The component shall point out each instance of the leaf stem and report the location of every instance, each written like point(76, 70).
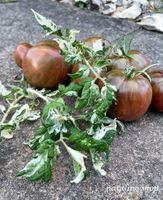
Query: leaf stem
point(10, 108)
point(62, 140)
point(38, 94)
point(96, 74)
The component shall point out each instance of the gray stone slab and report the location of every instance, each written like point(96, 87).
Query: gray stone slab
point(136, 157)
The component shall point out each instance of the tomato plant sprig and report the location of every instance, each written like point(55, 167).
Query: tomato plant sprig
point(60, 122)
point(16, 110)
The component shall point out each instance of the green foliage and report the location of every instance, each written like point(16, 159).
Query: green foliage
point(41, 164)
point(83, 141)
point(72, 89)
point(59, 122)
point(20, 112)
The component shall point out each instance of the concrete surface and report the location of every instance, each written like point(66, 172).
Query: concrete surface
point(136, 157)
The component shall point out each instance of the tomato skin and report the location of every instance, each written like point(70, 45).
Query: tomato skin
point(133, 96)
point(140, 62)
point(157, 88)
point(20, 52)
point(44, 67)
point(50, 43)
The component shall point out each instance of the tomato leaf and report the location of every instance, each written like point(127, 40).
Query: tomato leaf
point(106, 101)
point(41, 164)
point(71, 54)
point(84, 142)
point(101, 63)
point(97, 163)
point(40, 135)
point(102, 131)
point(97, 45)
point(6, 131)
point(2, 108)
point(71, 90)
point(71, 35)
point(54, 115)
point(78, 163)
point(83, 100)
point(24, 113)
point(94, 92)
point(3, 90)
point(47, 24)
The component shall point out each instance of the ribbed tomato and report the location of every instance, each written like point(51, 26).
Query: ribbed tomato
point(44, 67)
point(20, 52)
point(134, 94)
point(135, 58)
point(50, 43)
point(157, 88)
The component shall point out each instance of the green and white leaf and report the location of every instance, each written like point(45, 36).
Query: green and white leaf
point(3, 90)
point(71, 35)
point(79, 166)
point(97, 163)
point(71, 90)
point(49, 26)
point(41, 164)
point(6, 131)
point(24, 113)
point(97, 45)
point(85, 96)
point(2, 108)
point(101, 131)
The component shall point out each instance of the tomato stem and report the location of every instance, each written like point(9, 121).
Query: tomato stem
point(130, 72)
point(11, 107)
point(96, 74)
point(38, 94)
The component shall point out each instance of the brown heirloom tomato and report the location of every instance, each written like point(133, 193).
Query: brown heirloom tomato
point(133, 96)
point(157, 88)
point(44, 67)
point(20, 52)
point(138, 60)
point(50, 43)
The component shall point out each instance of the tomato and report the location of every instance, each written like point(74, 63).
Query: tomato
point(44, 67)
point(50, 43)
point(133, 96)
point(157, 88)
point(138, 60)
point(20, 52)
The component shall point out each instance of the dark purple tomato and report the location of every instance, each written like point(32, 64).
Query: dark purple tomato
point(20, 52)
point(45, 67)
point(157, 88)
point(133, 96)
point(138, 60)
point(50, 43)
